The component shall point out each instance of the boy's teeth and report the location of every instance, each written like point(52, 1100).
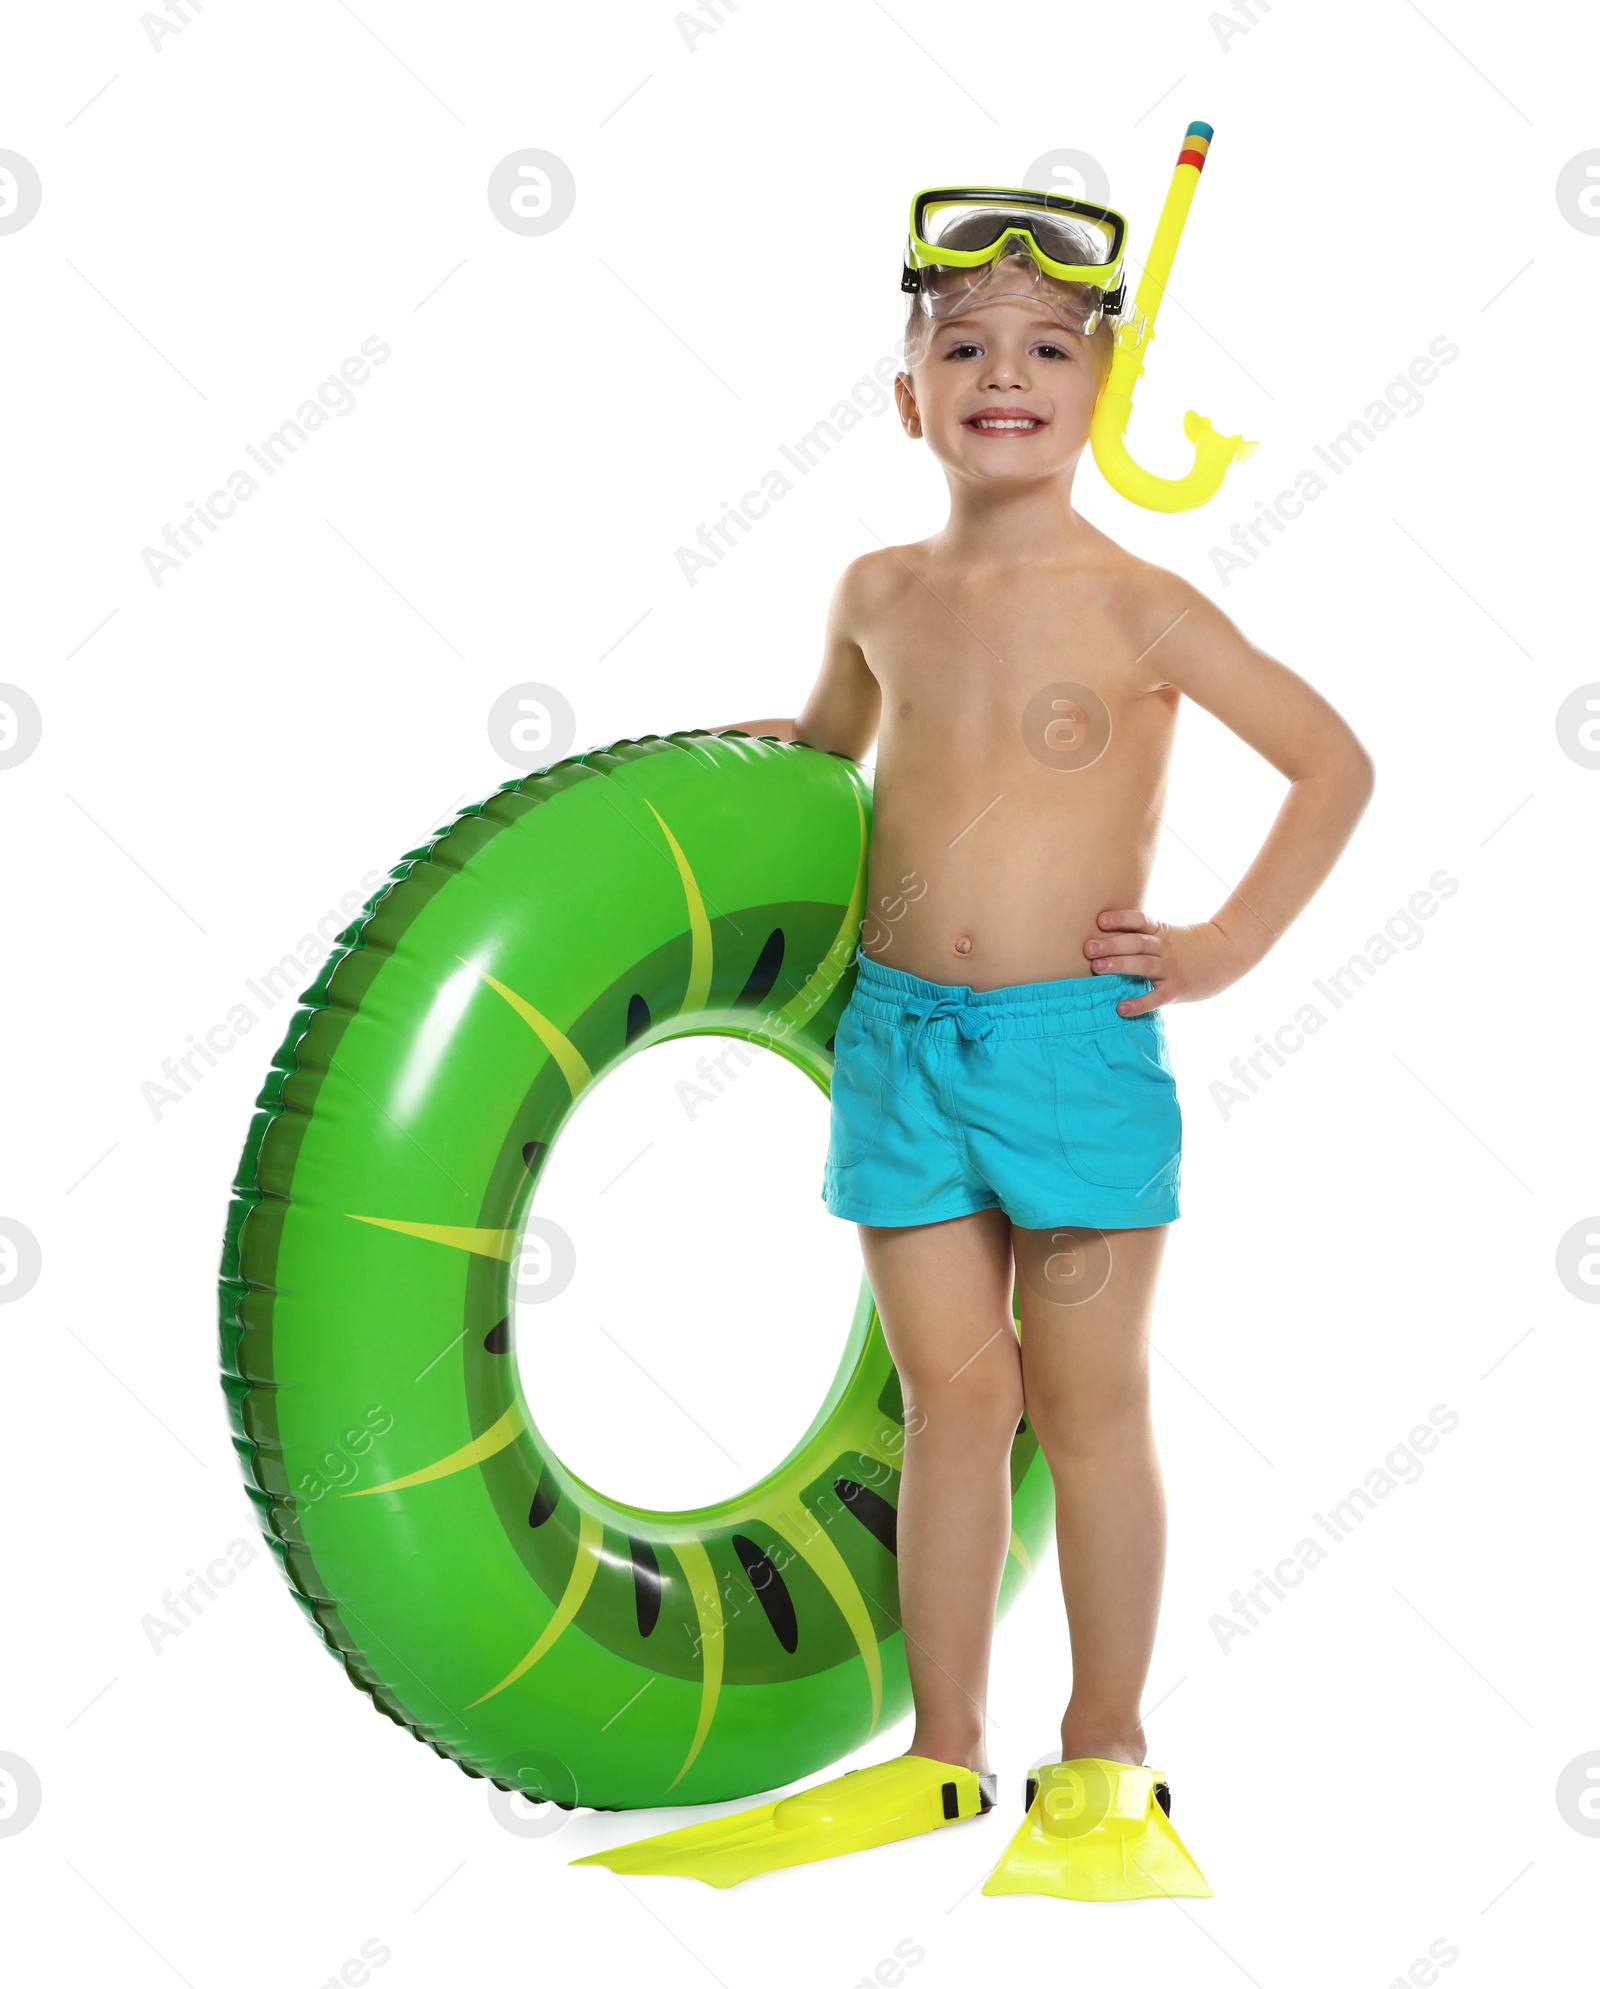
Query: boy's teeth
point(1027, 422)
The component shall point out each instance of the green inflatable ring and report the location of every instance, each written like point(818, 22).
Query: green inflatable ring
point(487, 1599)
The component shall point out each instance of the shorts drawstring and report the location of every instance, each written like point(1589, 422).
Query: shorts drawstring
point(975, 1024)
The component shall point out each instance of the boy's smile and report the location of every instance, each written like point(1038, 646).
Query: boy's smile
point(1006, 421)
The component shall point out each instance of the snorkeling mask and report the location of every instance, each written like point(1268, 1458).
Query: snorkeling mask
point(996, 242)
point(974, 245)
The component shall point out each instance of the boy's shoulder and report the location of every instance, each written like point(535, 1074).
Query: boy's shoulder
point(872, 574)
point(1142, 599)
point(1138, 587)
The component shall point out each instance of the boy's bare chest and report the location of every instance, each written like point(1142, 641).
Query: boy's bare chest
point(961, 665)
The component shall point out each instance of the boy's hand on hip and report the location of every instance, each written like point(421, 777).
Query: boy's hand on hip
point(1186, 962)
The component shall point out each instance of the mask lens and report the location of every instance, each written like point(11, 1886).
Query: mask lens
point(949, 293)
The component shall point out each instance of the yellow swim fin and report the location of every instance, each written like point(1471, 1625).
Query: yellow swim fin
point(876, 1805)
point(1098, 1830)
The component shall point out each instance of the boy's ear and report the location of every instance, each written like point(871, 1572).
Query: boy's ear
point(906, 401)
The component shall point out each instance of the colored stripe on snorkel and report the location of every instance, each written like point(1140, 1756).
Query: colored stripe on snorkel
point(1196, 143)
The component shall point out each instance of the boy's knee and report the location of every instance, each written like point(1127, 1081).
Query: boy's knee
point(1002, 1403)
point(1071, 1430)
point(972, 1402)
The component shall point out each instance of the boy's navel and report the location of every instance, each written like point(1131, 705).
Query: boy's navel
point(963, 944)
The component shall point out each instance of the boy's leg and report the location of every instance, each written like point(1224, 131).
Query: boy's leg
point(943, 1292)
point(1086, 1385)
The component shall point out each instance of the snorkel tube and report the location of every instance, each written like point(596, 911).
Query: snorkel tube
point(1214, 454)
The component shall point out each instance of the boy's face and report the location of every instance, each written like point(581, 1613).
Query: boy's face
point(1003, 393)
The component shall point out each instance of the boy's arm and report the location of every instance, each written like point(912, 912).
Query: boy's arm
point(1330, 775)
point(842, 713)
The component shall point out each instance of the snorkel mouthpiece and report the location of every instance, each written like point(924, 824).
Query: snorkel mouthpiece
point(1214, 454)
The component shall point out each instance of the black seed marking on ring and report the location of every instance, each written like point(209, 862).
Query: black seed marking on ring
point(545, 1499)
point(875, 1513)
point(646, 1584)
point(498, 1338)
point(773, 1596)
point(533, 1153)
point(638, 1017)
point(828, 1046)
point(764, 973)
point(951, 1801)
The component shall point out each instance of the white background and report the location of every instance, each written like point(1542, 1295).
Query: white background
point(1371, 1769)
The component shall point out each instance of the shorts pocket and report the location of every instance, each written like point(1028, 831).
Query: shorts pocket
point(1117, 1104)
point(856, 1092)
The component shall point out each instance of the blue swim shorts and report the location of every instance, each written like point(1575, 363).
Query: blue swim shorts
point(1038, 1099)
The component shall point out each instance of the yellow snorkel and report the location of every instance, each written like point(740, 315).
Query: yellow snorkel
point(1213, 453)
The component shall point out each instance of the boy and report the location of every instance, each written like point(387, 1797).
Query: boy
point(1003, 1106)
